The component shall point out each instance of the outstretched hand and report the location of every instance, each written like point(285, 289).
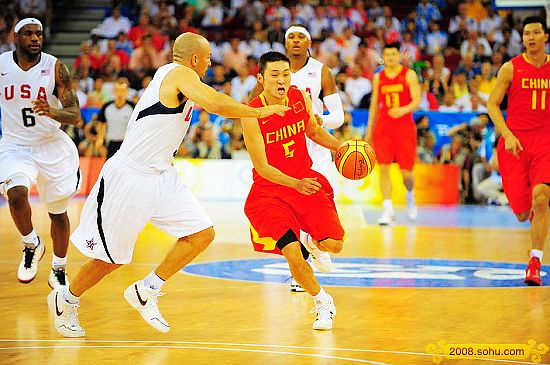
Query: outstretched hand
point(274, 109)
point(308, 185)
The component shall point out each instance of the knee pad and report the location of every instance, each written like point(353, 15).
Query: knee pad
point(59, 206)
point(286, 239)
point(13, 181)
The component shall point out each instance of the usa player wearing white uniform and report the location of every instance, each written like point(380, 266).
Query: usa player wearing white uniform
point(34, 149)
point(139, 184)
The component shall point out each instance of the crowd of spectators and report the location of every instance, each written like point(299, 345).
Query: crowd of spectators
point(455, 46)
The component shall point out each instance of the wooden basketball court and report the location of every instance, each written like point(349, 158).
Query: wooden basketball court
point(220, 321)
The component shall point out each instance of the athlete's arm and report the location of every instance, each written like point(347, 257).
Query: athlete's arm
point(317, 133)
point(70, 113)
point(504, 79)
point(331, 99)
point(256, 149)
point(190, 85)
point(414, 87)
point(373, 108)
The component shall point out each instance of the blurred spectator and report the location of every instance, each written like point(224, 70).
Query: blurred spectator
point(358, 15)
point(85, 82)
point(436, 39)
point(439, 68)
point(39, 9)
point(124, 44)
point(470, 45)
point(507, 44)
point(254, 10)
point(358, 88)
point(235, 57)
point(144, 83)
point(278, 11)
point(340, 22)
point(490, 189)
point(475, 10)
point(409, 48)
point(490, 24)
point(306, 12)
point(428, 11)
point(82, 97)
point(349, 44)
point(449, 105)
point(318, 22)
point(462, 17)
point(89, 56)
point(258, 42)
point(459, 86)
point(295, 17)
point(346, 131)
point(467, 66)
point(137, 32)
point(242, 84)
point(218, 77)
point(487, 80)
point(428, 101)
point(93, 144)
point(217, 46)
point(394, 23)
point(5, 44)
point(146, 56)
point(276, 33)
point(213, 16)
point(208, 145)
point(114, 55)
point(341, 79)
point(367, 59)
point(114, 24)
point(97, 97)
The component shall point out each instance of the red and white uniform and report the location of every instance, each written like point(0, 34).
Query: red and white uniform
point(273, 209)
point(394, 139)
point(529, 120)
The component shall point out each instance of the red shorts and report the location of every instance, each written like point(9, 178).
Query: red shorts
point(395, 144)
point(520, 175)
point(274, 209)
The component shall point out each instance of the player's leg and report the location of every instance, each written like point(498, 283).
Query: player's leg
point(303, 274)
point(179, 214)
point(406, 157)
point(64, 301)
point(60, 231)
point(388, 215)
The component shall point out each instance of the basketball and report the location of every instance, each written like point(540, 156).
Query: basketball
point(355, 159)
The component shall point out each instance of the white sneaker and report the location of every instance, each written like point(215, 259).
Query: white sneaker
point(412, 212)
point(325, 313)
point(145, 299)
point(386, 219)
point(295, 287)
point(320, 259)
point(58, 278)
point(28, 268)
point(65, 315)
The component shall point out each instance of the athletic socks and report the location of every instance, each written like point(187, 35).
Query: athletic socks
point(153, 281)
point(31, 239)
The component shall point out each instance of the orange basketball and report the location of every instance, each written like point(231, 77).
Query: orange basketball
point(355, 159)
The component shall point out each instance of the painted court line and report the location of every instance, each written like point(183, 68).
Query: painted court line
point(203, 345)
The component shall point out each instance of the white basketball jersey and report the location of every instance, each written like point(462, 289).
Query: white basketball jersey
point(309, 78)
point(18, 89)
point(155, 131)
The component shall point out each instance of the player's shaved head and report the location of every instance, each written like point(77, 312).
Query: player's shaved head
point(188, 44)
point(192, 50)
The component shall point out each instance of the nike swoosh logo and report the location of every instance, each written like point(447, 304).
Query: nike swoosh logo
point(265, 121)
point(139, 297)
point(56, 307)
point(4, 74)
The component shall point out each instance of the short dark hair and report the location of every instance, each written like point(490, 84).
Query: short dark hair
point(395, 45)
point(271, 56)
point(535, 19)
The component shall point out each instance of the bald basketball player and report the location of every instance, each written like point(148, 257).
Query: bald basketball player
point(139, 185)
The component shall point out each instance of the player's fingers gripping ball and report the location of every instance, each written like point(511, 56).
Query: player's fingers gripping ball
point(355, 159)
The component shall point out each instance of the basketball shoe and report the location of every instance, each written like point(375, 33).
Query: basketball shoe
point(325, 312)
point(387, 218)
point(412, 210)
point(28, 268)
point(65, 315)
point(295, 287)
point(532, 274)
point(58, 277)
point(144, 300)
point(320, 259)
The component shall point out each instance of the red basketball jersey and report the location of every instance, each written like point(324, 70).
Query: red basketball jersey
point(393, 93)
point(529, 97)
point(284, 136)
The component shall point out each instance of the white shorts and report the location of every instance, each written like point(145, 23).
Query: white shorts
point(53, 166)
point(124, 200)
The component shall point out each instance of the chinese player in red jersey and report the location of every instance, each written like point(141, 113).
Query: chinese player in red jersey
point(391, 128)
point(287, 194)
point(524, 149)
